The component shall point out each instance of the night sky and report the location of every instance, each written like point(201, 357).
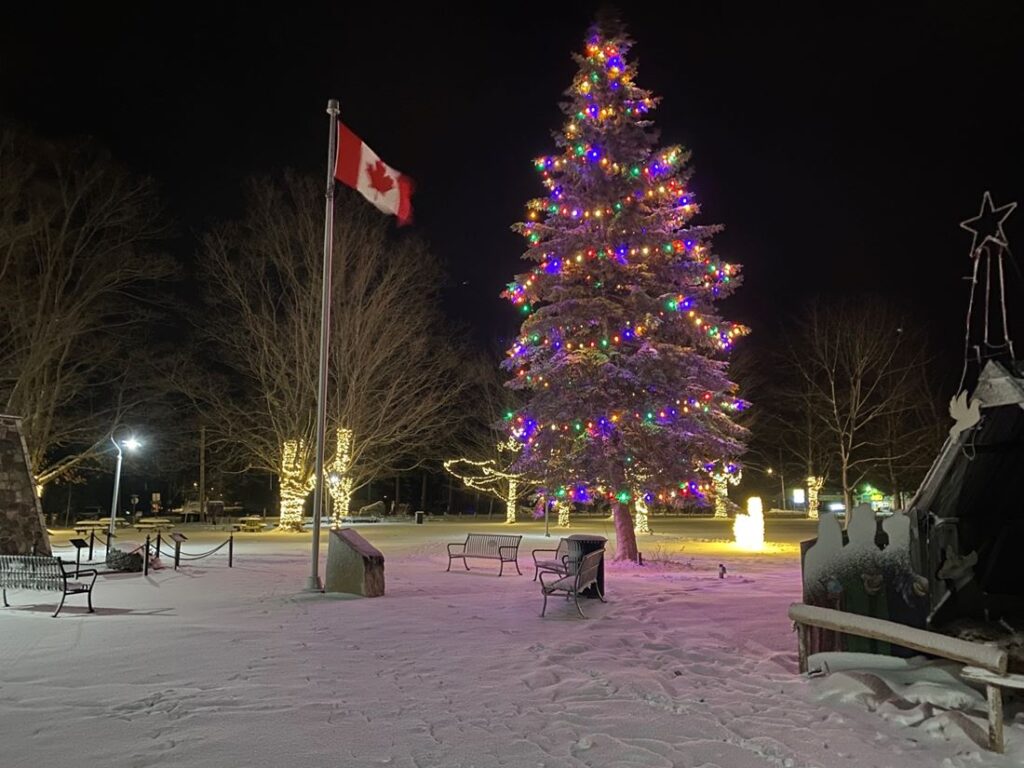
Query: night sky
point(840, 148)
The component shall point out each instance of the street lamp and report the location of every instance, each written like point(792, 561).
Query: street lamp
point(782, 485)
point(131, 444)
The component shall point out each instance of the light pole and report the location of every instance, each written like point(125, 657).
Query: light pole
point(131, 444)
point(782, 486)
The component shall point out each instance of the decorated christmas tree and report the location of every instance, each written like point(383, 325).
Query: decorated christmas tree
point(621, 352)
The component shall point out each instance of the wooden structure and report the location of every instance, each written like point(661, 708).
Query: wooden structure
point(986, 663)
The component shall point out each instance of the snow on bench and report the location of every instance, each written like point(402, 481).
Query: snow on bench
point(986, 663)
point(44, 574)
point(501, 547)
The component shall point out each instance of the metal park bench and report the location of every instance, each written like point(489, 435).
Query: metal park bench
point(560, 563)
point(44, 574)
point(501, 547)
point(574, 584)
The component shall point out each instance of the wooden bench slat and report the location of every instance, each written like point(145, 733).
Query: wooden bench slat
point(985, 656)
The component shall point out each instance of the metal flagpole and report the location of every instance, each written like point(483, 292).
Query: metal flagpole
point(325, 329)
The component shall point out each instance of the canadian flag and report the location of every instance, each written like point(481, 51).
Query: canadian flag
point(359, 167)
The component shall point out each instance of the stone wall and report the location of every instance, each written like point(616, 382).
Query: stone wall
point(22, 531)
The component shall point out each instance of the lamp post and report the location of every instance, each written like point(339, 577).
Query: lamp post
point(782, 486)
point(131, 444)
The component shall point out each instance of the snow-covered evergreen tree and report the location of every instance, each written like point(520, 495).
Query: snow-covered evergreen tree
point(621, 352)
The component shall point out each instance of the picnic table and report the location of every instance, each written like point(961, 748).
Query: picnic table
point(152, 524)
point(84, 526)
point(251, 524)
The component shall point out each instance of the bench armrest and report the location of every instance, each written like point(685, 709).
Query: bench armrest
point(78, 573)
point(534, 552)
point(513, 547)
point(545, 587)
point(456, 544)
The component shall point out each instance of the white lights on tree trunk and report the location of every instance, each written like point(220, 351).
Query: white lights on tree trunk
point(721, 479)
point(341, 477)
point(563, 508)
point(641, 524)
point(486, 476)
point(294, 487)
point(814, 484)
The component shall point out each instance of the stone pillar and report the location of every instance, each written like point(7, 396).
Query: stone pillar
point(22, 529)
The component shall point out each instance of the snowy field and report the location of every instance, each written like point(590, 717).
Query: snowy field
point(216, 667)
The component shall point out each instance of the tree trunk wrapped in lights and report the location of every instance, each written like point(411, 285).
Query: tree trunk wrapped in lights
point(641, 524)
point(814, 484)
point(563, 509)
point(723, 474)
point(295, 484)
point(341, 478)
point(490, 477)
point(621, 351)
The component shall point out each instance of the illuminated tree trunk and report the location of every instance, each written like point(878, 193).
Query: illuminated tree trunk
point(641, 524)
point(341, 478)
point(625, 536)
point(563, 514)
point(814, 484)
point(510, 502)
point(721, 486)
point(294, 488)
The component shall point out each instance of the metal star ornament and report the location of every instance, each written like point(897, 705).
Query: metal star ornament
point(988, 224)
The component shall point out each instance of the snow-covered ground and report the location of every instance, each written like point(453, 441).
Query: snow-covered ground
point(217, 667)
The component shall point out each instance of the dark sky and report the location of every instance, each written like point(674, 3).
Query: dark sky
point(839, 146)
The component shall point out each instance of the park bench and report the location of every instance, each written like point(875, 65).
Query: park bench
point(44, 574)
point(986, 664)
point(574, 584)
point(560, 563)
point(501, 547)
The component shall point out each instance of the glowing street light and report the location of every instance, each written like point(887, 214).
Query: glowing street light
point(131, 444)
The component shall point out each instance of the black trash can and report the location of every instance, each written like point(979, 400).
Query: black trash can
point(585, 544)
point(419, 517)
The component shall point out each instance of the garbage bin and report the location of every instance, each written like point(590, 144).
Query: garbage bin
point(584, 544)
point(420, 517)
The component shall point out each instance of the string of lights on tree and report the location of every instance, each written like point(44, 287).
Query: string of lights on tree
point(621, 349)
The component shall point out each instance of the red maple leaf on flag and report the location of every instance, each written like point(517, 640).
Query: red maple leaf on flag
point(380, 180)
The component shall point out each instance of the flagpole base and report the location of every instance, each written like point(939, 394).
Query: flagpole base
point(313, 584)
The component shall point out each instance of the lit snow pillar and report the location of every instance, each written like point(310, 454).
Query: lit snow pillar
point(510, 502)
point(749, 528)
point(814, 484)
point(640, 525)
point(293, 489)
point(341, 479)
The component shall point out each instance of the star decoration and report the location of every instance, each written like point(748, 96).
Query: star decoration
point(988, 224)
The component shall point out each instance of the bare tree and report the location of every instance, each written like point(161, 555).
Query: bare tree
point(77, 262)
point(859, 366)
point(394, 371)
point(486, 451)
